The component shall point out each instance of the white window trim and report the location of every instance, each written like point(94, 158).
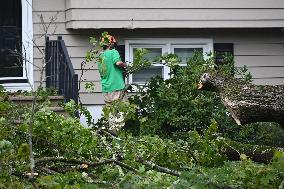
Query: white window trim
point(27, 47)
point(167, 45)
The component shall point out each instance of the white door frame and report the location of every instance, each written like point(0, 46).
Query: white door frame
point(27, 49)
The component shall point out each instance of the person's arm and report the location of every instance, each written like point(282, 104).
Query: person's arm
point(121, 64)
point(117, 59)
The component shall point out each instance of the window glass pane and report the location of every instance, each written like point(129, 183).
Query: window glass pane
point(144, 75)
point(10, 38)
point(185, 53)
point(10, 64)
point(152, 53)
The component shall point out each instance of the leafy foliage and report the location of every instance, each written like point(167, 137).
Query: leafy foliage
point(186, 107)
point(234, 175)
point(169, 123)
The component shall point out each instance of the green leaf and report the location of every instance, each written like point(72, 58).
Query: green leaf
point(142, 169)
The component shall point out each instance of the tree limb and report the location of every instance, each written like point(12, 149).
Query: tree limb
point(81, 162)
point(157, 167)
point(246, 102)
point(48, 171)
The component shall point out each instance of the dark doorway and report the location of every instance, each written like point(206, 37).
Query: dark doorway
point(10, 38)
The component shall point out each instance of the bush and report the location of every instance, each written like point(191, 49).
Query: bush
point(176, 104)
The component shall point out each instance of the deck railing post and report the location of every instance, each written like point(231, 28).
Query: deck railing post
point(75, 88)
point(47, 69)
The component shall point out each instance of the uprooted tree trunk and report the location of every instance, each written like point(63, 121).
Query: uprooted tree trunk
point(246, 102)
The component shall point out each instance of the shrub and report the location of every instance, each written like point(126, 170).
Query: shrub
point(166, 106)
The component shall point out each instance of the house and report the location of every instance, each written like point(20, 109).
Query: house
point(253, 30)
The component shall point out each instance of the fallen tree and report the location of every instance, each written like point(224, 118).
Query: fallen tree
point(246, 102)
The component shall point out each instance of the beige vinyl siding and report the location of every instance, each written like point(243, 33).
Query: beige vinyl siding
point(271, 49)
point(208, 4)
point(260, 61)
point(171, 14)
point(262, 53)
point(174, 14)
point(129, 24)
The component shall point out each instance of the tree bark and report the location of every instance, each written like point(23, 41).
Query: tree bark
point(246, 102)
point(257, 153)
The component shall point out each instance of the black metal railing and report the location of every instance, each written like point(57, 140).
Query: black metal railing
point(60, 74)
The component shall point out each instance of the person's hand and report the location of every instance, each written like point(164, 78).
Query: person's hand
point(121, 64)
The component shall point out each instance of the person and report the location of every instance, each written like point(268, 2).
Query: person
point(111, 72)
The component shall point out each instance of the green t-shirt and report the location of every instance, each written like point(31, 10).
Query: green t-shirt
point(111, 74)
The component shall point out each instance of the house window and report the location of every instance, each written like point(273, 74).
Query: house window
point(184, 48)
point(16, 29)
point(10, 38)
